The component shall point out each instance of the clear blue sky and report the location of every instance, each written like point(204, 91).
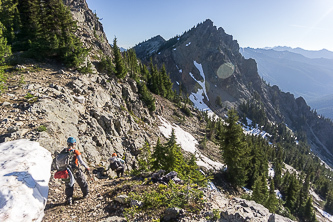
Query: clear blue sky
point(258, 23)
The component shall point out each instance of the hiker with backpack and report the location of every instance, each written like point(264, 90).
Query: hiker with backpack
point(67, 164)
point(117, 164)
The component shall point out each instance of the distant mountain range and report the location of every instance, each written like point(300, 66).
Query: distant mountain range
point(312, 54)
point(302, 72)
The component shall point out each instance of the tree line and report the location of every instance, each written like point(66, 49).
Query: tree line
point(247, 158)
point(42, 29)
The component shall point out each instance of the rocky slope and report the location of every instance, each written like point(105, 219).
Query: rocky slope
point(108, 205)
point(92, 109)
point(206, 60)
point(105, 115)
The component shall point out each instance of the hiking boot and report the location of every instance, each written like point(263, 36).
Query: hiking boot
point(69, 201)
point(85, 195)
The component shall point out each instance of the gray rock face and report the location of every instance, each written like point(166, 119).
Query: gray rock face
point(238, 210)
point(90, 30)
point(91, 108)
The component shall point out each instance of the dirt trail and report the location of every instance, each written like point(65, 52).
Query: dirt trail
point(96, 207)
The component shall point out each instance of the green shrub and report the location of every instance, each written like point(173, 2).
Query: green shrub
point(160, 197)
point(41, 128)
point(28, 96)
point(186, 111)
point(86, 69)
point(3, 81)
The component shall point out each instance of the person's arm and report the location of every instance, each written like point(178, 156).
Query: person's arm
point(82, 162)
point(121, 160)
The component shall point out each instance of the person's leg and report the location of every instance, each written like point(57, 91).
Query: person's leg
point(122, 171)
point(81, 180)
point(69, 193)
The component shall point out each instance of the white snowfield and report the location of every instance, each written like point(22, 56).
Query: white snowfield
point(197, 98)
point(188, 143)
point(25, 170)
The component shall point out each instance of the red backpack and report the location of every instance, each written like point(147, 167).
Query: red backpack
point(61, 174)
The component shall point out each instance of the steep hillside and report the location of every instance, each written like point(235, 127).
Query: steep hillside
point(206, 63)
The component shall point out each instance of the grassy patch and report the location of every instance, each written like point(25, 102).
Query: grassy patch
point(41, 128)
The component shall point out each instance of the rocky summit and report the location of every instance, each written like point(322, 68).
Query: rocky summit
point(205, 61)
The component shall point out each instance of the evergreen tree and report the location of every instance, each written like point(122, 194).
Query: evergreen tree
point(146, 96)
point(153, 78)
point(144, 73)
point(174, 157)
point(277, 174)
point(309, 214)
point(158, 156)
point(31, 27)
point(132, 63)
point(272, 202)
point(10, 19)
point(257, 194)
point(264, 189)
point(190, 171)
point(5, 50)
point(329, 202)
point(292, 194)
point(234, 150)
point(169, 94)
point(258, 162)
point(303, 196)
point(260, 191)
point(42, 29)
point(120, 68)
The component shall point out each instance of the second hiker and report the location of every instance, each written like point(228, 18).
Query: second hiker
point(117, 164)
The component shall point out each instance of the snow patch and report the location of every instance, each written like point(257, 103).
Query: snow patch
point(278, 194)
point(271, 172)
point(25, 173)
point(315, 196)
point(256, 131)
point(188, 143)
point(324, 213)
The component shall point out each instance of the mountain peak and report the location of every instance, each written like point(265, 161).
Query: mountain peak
point(208, 22)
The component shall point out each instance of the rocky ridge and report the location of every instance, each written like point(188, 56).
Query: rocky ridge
point(228, 75)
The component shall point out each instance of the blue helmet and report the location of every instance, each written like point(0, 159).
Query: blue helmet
point(71, 140)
